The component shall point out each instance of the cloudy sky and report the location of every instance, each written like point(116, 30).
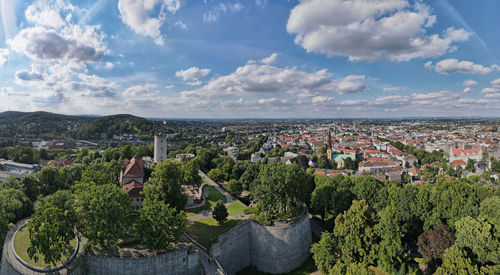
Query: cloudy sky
point(251, 58)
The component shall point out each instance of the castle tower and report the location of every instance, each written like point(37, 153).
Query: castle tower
point(160, 150)
point(329, 150)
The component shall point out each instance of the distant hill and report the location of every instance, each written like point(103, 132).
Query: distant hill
point(117, 125)
point(45, 125)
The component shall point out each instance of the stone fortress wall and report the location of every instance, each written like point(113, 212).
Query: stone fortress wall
point(273, 249)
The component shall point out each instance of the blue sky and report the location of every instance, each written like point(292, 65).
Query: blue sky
point(269, 59)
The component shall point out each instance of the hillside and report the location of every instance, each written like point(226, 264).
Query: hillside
point(43, 125)
point(117, 125)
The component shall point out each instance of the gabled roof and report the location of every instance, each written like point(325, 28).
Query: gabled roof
point(135, 168)
point(134, 189)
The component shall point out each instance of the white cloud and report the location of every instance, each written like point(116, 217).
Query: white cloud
point(263, 78)
point(192, 74)
point(140, 90)
point(108, 65)
point(452, 65)
point(4, 53)
point(467, 90)
point(322, 99)
point(395, 89)
point(494, 90)
point(73, 44)
point(369, 30)
point(470, 83)
point(169, 86)
point(215, 12)
point(270, 60)
point(137, 15)
point(47, 13)
point(9, 19)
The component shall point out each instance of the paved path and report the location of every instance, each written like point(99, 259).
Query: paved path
point(209, 265)
point(228, 196)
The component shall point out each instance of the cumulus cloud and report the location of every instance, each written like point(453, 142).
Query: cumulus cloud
point(4, 53)
point(263, 78)
point(369, 30)
point(48, 13)
point(395, 89)
point(140, 90)
point(192, 75)
point(467, 90)
point(137, 15)
point(76, 44)
point(470, 83)
point(270, 60)
point(36, 74)
point(452, 65)
point(494, 90)
point(322, 99)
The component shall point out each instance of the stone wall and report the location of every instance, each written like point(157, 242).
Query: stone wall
point(273, 249)
point(177, 262)
point(181, 262)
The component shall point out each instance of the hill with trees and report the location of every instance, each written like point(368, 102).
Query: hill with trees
point(116, 125)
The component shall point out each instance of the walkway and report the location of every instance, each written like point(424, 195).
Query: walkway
point(228, 196)
point(209, 265)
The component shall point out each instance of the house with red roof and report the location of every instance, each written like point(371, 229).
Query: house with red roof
point(460, 153)
point(134, 190)
point(134, 171)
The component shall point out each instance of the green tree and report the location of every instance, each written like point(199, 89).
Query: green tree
point(216, 175)
point(470, 165)
point(351, 269)
point(100, 174)
point(477, 236)
point(325, 252)
point(455, 261)
point(166, 185)
point(159, 225)
point(103, 213)
point(50, 230)
point(355, 231)
point(391, 233)
point(220, 212)
point(322, 199)
point(249, 176)
point(234, 187)
point(190, 173)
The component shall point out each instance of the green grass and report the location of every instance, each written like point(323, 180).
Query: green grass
point(307, 267)
point(213, 197)
point(21, 242)
point(207, 231)
point(236, 208)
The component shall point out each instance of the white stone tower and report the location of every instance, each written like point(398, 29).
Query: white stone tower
point(160, 148)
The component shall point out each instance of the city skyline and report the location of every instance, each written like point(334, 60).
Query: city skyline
point(251, 59)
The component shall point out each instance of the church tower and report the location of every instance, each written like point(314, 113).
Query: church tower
point(160, 150)
point(329, 150)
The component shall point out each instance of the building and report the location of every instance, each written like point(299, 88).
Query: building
point(134, 190)
point(160, 150)
point(134, 171)
point(8, 165)
point(460, 153)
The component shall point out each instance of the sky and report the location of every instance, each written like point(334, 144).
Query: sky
point(251, 58)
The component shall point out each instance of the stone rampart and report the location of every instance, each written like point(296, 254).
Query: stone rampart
point(273, 249)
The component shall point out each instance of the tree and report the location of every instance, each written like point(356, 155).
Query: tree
point(470, 165)
point(455, 261)
point(217, 175)
point(14, 204)
point(234, 187)
point(249, 176)
point(159, 225)
point(50, 230)
point(325, 252)
point(166, 185)
point(103, 213)
point(476, 236)
point(433, 242)
point(349, 164)
point(351, 269)
point(190, 173)
point(100, 174)
point(391, 233)
point(281, 189)
point(322, 199)
point(220, 212)
point(355, 231)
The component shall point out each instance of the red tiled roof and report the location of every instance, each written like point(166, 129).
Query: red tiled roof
point(133, 189)
point(458, 162)
point(135, 169)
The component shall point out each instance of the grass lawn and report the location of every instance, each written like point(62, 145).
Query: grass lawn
point(236, 208)
point(213, 197)
point(207, 231)
point(307, 267)
point(21, 241)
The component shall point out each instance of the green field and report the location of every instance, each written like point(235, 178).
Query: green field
point(236, 208)
point(21, 241)
point(207, 231)
point(213, 197)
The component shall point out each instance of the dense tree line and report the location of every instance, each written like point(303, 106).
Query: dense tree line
point(453, 224)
